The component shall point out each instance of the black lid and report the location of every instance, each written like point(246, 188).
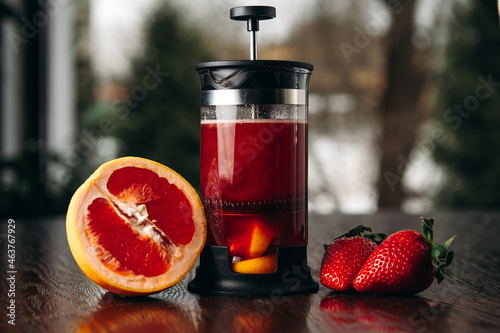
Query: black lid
point(253, 63)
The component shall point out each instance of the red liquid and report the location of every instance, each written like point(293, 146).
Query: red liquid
point(254, 184)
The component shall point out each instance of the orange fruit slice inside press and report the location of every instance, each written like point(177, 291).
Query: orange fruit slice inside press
point(260, 265)
point(251, 239)
point(135, 227)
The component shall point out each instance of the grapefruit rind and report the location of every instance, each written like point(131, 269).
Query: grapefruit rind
point(90, 263)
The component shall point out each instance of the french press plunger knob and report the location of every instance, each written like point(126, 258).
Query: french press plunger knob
point(252, 14)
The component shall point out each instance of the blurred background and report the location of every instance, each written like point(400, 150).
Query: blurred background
point(404, 97)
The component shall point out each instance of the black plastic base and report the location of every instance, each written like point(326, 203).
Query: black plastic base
point(292, 275)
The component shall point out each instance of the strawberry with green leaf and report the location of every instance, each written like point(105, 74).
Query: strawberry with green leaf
point(406, 263)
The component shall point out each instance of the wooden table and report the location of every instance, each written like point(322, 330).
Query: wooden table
point(53, 295)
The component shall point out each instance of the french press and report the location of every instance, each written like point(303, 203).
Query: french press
point(253, 180)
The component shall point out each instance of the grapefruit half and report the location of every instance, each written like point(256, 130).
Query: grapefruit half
point(135, 227)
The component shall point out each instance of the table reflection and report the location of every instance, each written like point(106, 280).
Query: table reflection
point(253, 314)
point(358, 312)
point(138, 314)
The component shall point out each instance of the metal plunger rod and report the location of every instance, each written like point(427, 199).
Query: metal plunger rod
point(252, 27)
point(253, 46)
point(253, 14)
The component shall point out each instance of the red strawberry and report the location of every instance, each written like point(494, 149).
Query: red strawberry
point(344, 258)
point(405, 263)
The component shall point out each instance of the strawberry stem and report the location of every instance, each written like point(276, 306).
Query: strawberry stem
point(448, 242)
point(377, 238)
point(441, 257)
point(427, 227)
point(438, 251)
point(357, 231)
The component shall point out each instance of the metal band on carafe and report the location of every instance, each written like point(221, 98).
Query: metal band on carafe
point(254, 96)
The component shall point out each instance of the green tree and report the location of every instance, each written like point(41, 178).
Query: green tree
point(162, 120)
point(469, 109)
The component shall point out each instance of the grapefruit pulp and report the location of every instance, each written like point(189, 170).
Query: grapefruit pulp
point(135, 227)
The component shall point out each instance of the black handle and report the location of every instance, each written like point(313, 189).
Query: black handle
point(252, 14)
